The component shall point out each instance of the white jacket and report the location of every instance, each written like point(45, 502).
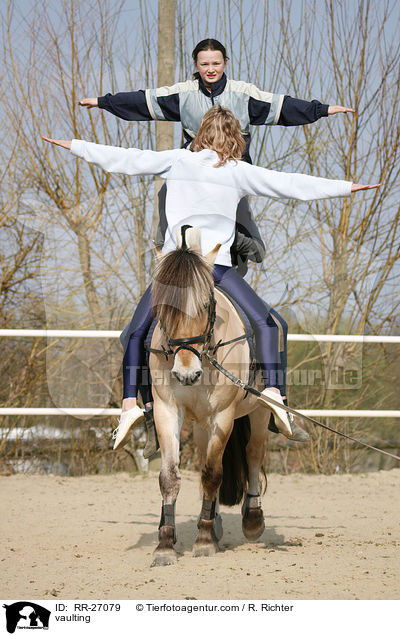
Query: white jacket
point(203, 196)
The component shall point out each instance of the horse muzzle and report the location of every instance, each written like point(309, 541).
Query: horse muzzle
point(187, 379)
point(187, 368)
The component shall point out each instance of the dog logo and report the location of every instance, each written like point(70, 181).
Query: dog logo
point(26, 615)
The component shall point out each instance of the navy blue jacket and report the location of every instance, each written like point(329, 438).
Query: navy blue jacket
point(189, 101)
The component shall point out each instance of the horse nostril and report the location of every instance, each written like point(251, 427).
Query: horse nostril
point(197, 375)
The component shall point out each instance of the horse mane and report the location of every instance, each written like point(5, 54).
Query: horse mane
point(181, 288)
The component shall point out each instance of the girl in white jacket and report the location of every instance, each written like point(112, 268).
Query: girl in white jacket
point(205, 185)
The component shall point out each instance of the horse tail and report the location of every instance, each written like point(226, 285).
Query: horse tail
point(234, 463)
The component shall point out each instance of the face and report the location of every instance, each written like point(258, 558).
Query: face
point(211, 65)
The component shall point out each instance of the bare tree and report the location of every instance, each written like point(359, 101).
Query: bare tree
point(95, 226)
point(331, 267)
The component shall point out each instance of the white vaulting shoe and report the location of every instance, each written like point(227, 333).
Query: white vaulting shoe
point(281, 417)
point(127, 421)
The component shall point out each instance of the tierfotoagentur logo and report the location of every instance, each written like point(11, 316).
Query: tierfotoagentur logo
point(26, 615)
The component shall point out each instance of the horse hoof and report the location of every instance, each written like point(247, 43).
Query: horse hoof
point(205, 550)
point(164, 558)
point(253, 524)
point(206, 544)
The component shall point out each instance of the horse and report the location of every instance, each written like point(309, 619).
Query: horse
point(229, 427)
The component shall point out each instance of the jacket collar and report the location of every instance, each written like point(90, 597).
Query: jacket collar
point(216, 89)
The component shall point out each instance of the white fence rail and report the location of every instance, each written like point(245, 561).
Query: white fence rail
point(293, 337)
point(99, 412)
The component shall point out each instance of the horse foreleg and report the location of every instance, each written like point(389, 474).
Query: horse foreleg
point(252, 515)
point(209, 523)
point(168, 431)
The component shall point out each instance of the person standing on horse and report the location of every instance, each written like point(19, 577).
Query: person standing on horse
point(211, 173)
point(188, 102)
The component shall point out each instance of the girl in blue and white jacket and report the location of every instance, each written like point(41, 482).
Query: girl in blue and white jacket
point(189, 101)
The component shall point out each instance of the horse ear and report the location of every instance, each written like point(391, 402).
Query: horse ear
point(193, 239)
point(211, 256)
point(159, 253)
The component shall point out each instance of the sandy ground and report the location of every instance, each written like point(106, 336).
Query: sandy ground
point(335, 537)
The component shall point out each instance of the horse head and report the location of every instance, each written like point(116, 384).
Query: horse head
point(183, 300)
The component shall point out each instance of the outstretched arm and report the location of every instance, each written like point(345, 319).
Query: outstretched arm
point(130, 106)
point(297, 112)
point(143, 105)
point(130, 161)
point(270, 109)
point(282, 185)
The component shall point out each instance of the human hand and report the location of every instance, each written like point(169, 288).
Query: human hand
point(58, 142)
point(333, 110)
point(89, 102)
point(356, 187)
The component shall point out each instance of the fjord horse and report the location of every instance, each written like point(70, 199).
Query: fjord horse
point(192, 318)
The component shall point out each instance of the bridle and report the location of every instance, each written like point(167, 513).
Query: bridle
point(174, 345)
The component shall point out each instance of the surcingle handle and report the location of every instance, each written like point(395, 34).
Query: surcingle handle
point(183, 234)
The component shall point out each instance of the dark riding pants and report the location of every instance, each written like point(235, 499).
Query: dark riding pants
point(260, 316)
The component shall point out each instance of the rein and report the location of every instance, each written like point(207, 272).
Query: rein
point(288, 409)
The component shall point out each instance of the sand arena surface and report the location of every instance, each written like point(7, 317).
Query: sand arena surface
point(326, 537)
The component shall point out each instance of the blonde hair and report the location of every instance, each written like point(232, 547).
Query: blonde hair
point(220, 131)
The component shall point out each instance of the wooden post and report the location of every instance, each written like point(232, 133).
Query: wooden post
point(165, 77)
